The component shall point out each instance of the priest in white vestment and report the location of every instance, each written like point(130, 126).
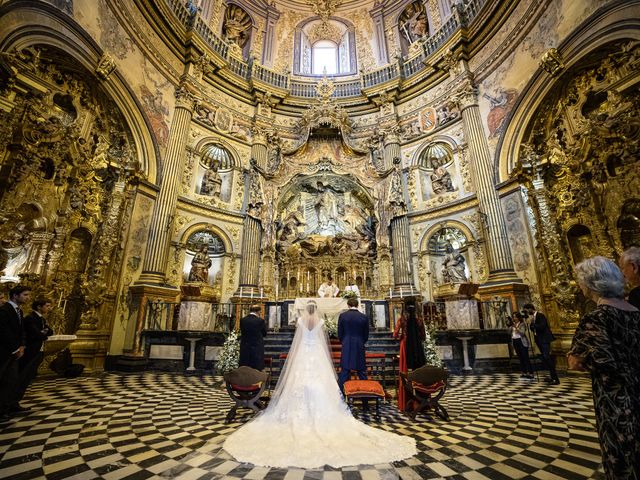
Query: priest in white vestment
point(328, 289)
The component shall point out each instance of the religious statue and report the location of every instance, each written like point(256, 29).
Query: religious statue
point(326, 207)
point(441, 181)
point(328, 289)
point(453, 266)
point(211, 182)
point(200, 265)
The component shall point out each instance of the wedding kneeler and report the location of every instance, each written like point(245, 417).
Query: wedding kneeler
point(245, 386)
point(364, 390)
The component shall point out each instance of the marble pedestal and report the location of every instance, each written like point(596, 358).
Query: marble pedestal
point(196, 316)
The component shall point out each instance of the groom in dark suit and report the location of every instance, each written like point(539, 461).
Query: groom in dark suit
point(253, 330)
point(353, 332)
point(543, 337)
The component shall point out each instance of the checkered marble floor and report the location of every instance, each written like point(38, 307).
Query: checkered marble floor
point(170, 426)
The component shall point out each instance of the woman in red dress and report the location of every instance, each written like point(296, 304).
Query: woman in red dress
point(410, 330)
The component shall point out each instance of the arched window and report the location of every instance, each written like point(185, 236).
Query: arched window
point(325, 47)
point(324, 58)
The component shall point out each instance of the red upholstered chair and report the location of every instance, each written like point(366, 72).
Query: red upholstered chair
point(364, 390)
point(424, 387)
point(245, 386)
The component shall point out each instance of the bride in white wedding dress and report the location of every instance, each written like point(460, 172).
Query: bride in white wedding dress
point(307, 423)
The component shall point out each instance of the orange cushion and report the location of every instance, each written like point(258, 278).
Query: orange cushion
point(363, 387)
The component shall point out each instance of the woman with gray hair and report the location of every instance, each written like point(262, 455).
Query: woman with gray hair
point(606, 345)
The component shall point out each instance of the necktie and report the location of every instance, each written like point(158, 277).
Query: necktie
point(19, 315)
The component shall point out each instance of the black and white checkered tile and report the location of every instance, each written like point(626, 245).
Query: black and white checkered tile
point(169, 426)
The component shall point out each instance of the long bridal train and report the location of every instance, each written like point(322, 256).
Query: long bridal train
point(307, 423)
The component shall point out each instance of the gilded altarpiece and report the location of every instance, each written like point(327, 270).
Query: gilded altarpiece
point(580, 167)
point(69, 177)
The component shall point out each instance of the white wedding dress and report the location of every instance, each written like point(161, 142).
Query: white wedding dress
point(307, 423)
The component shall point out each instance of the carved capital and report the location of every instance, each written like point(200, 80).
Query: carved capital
point(185, 97)
point(466, 95)
point(551, 62)
point(106, 65)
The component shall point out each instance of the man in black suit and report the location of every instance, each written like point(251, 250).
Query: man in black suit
point(353, 332)
point(630, 266)
point(36, 332)
point(252, 330)
point(543, 337)
point(11, 349)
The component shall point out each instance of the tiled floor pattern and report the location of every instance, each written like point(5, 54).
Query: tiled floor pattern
point(166, 426)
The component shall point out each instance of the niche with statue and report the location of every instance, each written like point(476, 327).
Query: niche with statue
point(437, 171)
point(214, 177)
point(448, 250)
point(202, 286)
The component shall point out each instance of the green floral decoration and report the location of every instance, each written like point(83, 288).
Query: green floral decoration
point(331, 325)
point(349, 294)
point(429, 345)
point(230, 354)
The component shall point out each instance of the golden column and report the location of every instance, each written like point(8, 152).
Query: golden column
point(498, 250)
point(151, 284)
point(155, 261)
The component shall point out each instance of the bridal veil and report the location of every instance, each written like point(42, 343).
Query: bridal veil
point(307, 423)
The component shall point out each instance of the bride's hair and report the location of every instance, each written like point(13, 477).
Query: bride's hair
point(312, 306)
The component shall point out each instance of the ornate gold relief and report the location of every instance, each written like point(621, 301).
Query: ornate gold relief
point(551, 62)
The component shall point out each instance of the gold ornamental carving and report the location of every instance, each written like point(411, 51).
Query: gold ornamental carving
point(106, 65)
point(551, 62)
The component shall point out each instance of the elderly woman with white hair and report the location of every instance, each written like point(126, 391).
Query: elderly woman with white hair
point(607, 344)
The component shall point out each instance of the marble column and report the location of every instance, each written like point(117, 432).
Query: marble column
point(498, 250)
point(391, 149)
point(250, 263)
point(400, 238)
point(155, 261)
point(259, 150)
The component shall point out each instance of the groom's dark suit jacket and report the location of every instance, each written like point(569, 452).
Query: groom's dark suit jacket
point(353, 332)
point(253, 330)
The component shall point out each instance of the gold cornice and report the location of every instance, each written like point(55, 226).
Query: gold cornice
point(191, 206)
point(439, 212)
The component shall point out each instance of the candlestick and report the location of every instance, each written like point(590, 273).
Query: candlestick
point(354, 275)
point(400, 292)
point(60, 300)
point(251, 294)
point(64, 306)
point(389, 293)
point(241, 291)
point(261, 293)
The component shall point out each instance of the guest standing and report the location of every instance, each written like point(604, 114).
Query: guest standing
point(252, 330)
point(410, 330)
point(606, 345)
point(11, 349)
point(36, 332)
point(543, 338)
point(520, 341)
point(630, 266)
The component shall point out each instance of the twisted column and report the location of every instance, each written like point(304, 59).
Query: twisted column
point(155, 261)
point(498, 251)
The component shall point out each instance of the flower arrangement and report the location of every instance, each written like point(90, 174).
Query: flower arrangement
point(349, 294)
point(429, 346)
point(331, 325)
point(230, 355)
